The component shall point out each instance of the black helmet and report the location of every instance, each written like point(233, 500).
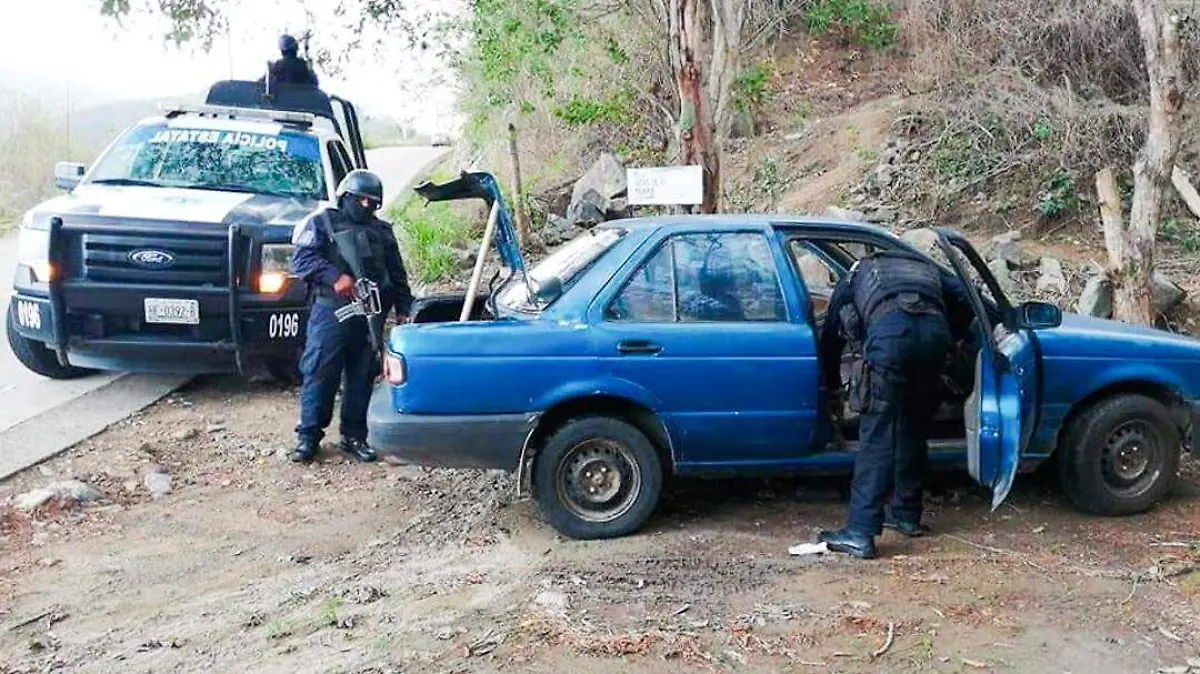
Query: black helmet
point(288, 44)
point(362, 183)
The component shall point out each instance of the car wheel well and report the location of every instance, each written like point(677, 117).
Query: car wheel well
point(1169, 397)
point(640, 416)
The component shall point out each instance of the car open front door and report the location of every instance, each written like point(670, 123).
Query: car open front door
point(1000, 413)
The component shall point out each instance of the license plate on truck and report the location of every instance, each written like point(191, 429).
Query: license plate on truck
point(175, 312)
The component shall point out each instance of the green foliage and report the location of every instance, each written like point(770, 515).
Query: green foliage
point(429, 235)
point(1042, 130)
point(1058, 195)
point(582, 111)
point(1182, 233)
point(512, 38)
point(770, 178)
point(868, 22)
point(752, 88)
point(959, 156)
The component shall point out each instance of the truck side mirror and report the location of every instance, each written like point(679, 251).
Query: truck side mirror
point(67, 175)
point(1040, 315)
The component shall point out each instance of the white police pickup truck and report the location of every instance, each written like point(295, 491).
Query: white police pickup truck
point(172, 252)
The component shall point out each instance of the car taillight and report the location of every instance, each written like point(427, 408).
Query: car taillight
point(394, 369)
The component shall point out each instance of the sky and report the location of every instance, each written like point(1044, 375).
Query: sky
point(67, 42)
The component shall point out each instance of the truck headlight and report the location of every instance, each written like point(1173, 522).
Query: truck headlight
point(33, 250)
point(276, 267)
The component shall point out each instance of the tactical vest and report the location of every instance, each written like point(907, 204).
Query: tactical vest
point(372, 242)
point(889, 275)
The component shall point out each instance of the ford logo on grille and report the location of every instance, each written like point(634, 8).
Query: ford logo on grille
point(148, 258)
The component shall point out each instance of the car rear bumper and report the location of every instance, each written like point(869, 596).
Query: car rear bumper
point(1194, 436)
point(489, 441)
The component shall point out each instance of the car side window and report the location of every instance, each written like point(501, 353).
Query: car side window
point(649, 295)
point(818, 275)
point(726, 277)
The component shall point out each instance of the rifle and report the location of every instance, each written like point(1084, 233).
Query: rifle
point(365, 299)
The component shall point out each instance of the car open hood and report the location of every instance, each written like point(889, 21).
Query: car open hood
point(482, 185)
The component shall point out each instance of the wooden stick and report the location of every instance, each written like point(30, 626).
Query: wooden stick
point(1184, 186)
point(887, 644)
point(477, 273)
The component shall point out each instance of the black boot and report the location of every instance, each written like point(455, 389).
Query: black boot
point(358, 449)
point(850, 541)
point(906, 528)
point(306, 450)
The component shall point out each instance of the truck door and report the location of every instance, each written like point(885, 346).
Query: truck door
point(1000, 414)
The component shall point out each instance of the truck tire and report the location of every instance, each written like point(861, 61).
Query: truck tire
point(1120, 456)
point(37, 357)
point(285, 370)
point(597, 477)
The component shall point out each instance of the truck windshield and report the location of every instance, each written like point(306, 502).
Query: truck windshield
point(564, 264)
point(157, 155)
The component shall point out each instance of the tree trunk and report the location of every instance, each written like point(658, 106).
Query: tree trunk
point(696, 133)
point(518, 190)
point(1133, 277)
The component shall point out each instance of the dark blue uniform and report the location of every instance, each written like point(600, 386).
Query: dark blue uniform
point(291, 69)
point(335, 349)
point(906, 313)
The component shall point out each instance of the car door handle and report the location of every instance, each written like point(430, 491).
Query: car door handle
point(638, 346)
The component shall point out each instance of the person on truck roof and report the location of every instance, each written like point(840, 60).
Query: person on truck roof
point(335, 347)
point(291, 69)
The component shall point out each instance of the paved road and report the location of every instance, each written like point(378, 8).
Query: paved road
point(40, 417)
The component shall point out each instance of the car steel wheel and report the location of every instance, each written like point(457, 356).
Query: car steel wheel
point(599, 480)
point(1129, 462)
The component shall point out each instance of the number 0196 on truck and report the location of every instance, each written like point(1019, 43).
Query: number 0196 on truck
point(687, 345)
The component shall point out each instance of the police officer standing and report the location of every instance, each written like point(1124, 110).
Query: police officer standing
point(335, 348)
point(905, 312)
point(291, 69)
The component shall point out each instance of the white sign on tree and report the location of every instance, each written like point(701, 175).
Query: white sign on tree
point(665, 185)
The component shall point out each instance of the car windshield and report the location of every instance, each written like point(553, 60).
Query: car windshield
point(157, 155)
point(564, 264)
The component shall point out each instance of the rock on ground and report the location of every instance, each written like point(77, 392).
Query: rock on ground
point(1051, 278)
point(601, 193)
point(1007, 247)
point(838, 213)
point(923, 239)
point(62, 491)
point(1096, 298)
point(1167, 294)
point(1000, 270)
point(157, 483)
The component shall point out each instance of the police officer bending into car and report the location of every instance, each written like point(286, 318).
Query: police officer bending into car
point(335, 348)
point(905, 313)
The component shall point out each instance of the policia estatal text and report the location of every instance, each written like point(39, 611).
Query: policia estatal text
point(905, 313)
point(334, 347)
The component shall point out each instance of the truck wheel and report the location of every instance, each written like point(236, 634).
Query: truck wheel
point(37, 357)
point(1121, 456)
point(597, 477)
point(285, 371)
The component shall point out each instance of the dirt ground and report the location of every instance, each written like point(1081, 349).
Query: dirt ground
point(253, 564)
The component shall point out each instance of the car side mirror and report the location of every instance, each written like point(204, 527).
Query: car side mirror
point(1040, 315)
point(67, 175)
point(548, 290)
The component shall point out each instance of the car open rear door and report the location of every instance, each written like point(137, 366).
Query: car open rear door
point(1000, 414)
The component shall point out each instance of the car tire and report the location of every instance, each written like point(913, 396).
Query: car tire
point(597, 477)
point(1121, 456)
point(37, 357)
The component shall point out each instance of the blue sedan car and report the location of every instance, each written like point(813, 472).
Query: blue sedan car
point(687, 345)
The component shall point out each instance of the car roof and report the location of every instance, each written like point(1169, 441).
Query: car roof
point(688, 222)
